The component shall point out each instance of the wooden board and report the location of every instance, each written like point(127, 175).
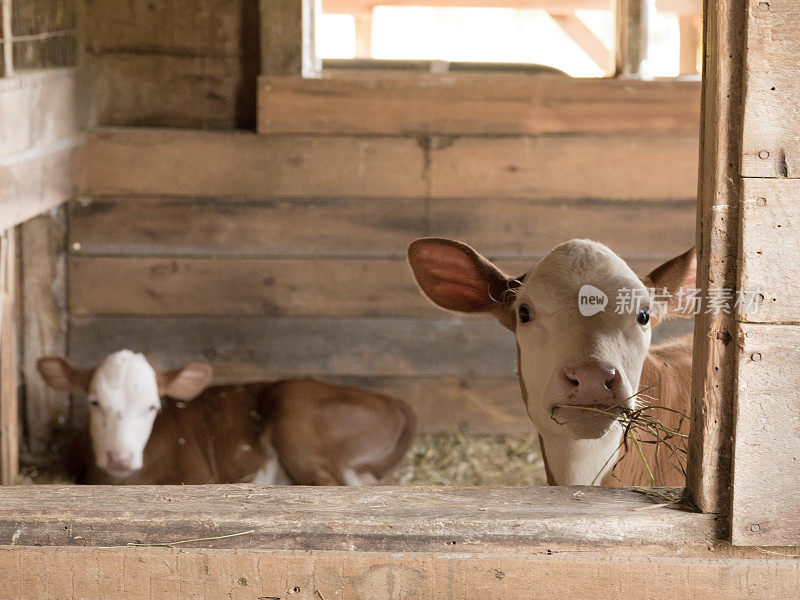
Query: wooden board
point(288, 42)
point(39, 131)
point(141, 89)
point(770, 145)
point(44, 323)
point(137, 161)
point(713, 381)
point(258, 347)
point(275, 287)
point(202, 28)
point(501, 228)
point(9, 365)
point(38, 110)
point(628, 167)
point(475, 104)
point(766, 477)
point(382, 518)
point(141, 161)
point(770, 224)
point(165, 574)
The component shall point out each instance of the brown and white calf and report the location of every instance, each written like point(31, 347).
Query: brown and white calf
point(169, 428)
point(566, 359)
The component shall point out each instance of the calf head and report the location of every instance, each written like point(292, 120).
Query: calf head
point(124, 394)
point(576, 349)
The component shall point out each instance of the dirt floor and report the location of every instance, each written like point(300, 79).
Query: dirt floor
point(449, 458)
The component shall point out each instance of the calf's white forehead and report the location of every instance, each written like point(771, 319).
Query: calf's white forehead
point(557, 278)
point(124, 378)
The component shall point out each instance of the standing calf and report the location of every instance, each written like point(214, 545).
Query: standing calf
point(568, 362)
point(167, 428)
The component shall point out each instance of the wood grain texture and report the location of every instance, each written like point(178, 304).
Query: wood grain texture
point(621, 167)
point(500, 228)
point(770, 225)
point(713, 379)
point(9, 362)
point(474, 104)
point(766, 510)
point(257, 346)
point(341, 287)
point(137, 161)
point(141, 161)
point(163, 574)
point(382, 518)
point(770, 145)
point(44, 323)
point(173, 64)
point(200, 92)
point(38, 133)
point(287, 32)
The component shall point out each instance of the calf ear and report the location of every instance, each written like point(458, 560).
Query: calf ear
point(62, 374)
point(456, 277)
point(678, 276)
point(186, 382)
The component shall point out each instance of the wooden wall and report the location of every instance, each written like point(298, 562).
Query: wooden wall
point(172, 63)
point(40, 130)
point(278, 255)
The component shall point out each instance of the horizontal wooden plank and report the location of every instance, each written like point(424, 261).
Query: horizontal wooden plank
point(770, 142)
point(767, 437)
point(53, 573)
point(38, 110)
point(257, 346)
point(165, 90)
point(275, 287)
point(770, 224)
point(201, 28)
point(402, 519)
point(39, 181)
point(614, 167)
point(141, 161)
point(502, 228)
point(243, 348)
point(475, 104)
point(172, 162)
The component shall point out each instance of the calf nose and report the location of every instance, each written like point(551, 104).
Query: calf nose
point(119, 460)
point(590, 382)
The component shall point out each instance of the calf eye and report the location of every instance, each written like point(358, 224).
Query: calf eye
point(94, 403)
point(643, 318)
point(153, 408)
point(525, 313)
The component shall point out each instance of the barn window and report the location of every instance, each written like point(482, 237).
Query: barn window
point(577, 38)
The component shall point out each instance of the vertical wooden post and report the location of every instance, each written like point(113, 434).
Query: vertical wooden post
point(288, 37)
point(632, 36)
point(43, 294)
point(9, 418)
point(714, 376)
point(8, 52)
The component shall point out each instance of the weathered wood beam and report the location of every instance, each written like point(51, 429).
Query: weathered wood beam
point(715, 343)
point(632, 39)
point(288, 37)
point(9, 360)
point(44, 323)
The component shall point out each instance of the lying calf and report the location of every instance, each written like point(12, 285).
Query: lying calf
point(167, 428)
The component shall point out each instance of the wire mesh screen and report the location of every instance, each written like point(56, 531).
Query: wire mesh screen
point(42, 34)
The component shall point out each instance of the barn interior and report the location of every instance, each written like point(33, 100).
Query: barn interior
point(236, 182)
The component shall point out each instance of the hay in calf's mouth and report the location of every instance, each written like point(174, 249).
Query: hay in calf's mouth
point(642, 426)
point(454, 458)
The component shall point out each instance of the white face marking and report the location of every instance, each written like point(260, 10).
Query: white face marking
point(123, 403)
point(558, 340)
